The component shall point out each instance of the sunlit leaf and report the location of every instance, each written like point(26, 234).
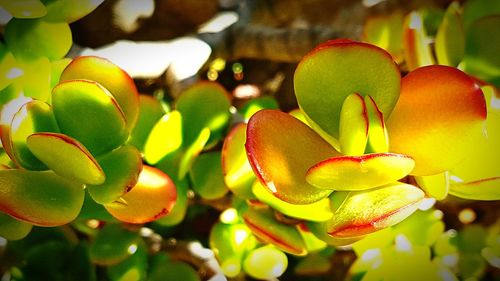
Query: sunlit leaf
point(206, 176)
point(450, 38)
point(164, 138)
point(69, 11)
point(113, 244)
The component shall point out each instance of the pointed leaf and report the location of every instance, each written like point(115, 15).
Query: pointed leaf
point(484, 189)
point(353, 128)
point(378, 141)
point(87, 112)
point(364, 212)
point(280, 149)
point(40, 198)
point(359, 172)
point(264, 226)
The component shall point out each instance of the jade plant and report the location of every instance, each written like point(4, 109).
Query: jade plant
point(97, 172)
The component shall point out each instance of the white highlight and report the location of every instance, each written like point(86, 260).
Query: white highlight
point(218, 23)
point(127, 12)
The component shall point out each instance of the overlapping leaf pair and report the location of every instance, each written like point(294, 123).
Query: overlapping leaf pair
point(365, 128)
point(77, 140)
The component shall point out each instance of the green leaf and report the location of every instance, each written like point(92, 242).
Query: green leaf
point(40, 198)
point(253, 105)
point(24, 9)
point(104, 128)
point(121, 167)
point(13, 229)
point(231, 242)
point(265, 263)
point(204, 105)
point(150, 111)
point(34, 116)
point(113, 244)
point(132, 268)
point(34, 38)
point(450, 39)
point(353, 125)
point(264, 225)
point(338, 68)
point(119, 84)
point(69, 11)
point(174, 270)
point(164, 138)
point(66, 157)
point(238, 174)
point(206, 176)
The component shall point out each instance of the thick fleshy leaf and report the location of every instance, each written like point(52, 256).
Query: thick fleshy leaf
point(265, 263)
point(174, 270)
point(36, 78)
point(40, 198)
point(113, 244)
point(364, 212)
point(416, 47)
point(164, 138)
point(87, 112)
point(483, 157)
point(238, 174)
point(111, 77)
point(204, 105)
point(152, 197)
point(359, 172)
point(34, 116)
point(24, 9)
point(475, 9)
point(33, 38)
point(317, 211)
point(333, 71)
point(481, 49)
point(192, 151)
point(69, 11)
point(256, 104)
point(121, 167)
point(484, 189)
point(66, 157)
point(353, 128)
point(386, 31)
point(231, 242)
point(436, 186)
point(440, 112)
point(206, 176)
point(56, 69)
point(280, 149)
point(178, 212)
point(378, 141)
point(150, 111)
point(264, 226)
point(9, 68)
point(13, 229)
point(450, 38)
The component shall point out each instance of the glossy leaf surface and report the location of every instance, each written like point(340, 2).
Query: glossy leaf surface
point(332, 71)
point(363, 212)
point(353, 128)
point(281, 149)
point(113, 244)
point(359, 172)
point(69, 11)
point(104, 128)
point(440, 112)
point(40, 198)
point(110, 76)
point(150, 111)
point(164, 138)
point(206, 176)
point(66, 157)
point(152, 197)
point(122, 168)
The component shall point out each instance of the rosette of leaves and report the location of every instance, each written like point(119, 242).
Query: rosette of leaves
point(339, 163)
point(76, 144)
